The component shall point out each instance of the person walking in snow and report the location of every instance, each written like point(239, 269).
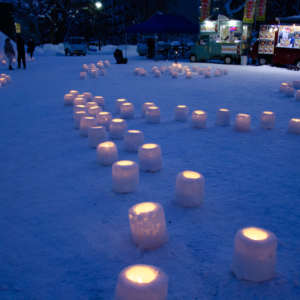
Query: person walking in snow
point(151, 46)
point(21, 51)
point(31, 46)
point(9, 52)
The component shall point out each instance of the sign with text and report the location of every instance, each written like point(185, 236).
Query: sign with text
point(205, 9)
point(229, 49)
point(249, 11)
point(261, 10)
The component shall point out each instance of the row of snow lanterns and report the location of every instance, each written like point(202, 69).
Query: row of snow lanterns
point(254, 256)
point(94, 70)
point(288, 88)
point(14, 61)
point(175, 69)
point(4, 80)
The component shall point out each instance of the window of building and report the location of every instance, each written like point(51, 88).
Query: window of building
point(18, 27)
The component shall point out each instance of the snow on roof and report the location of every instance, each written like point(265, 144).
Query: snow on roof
point(217, 17)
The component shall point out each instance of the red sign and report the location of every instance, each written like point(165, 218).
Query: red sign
point(205, 10)
point(249, 11)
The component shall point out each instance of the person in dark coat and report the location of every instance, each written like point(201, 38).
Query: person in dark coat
point(118, 54)
point(31, 46)
point(151, 46)
point(21, 51)
point(9, 52)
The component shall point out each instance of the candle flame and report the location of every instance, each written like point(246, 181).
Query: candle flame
point(199, 112)
point(141, 274)
point(296, 120)
point(117, 120)
point(254, 233)
point(134, 131)
point(191, 174)
point(181, 106)
point(125, 163)
point(144, 207)
point(149, 146)
point(107, 144)
point(268, 112)
point(223, 109)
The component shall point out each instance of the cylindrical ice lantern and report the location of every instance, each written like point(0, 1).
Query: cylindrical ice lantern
point(217, 73)
point(225, 72)
point(127, 111)
point(137, 71)
point(145, 106)
point(188, 75)
point(148, 225)
point(294, 126)
point(94, 73)
point(133, 139)
point(289, 84)
point(267, 120)
point(181, 113)
point(125, 176)
point(242, 123)
point(195, 68)
point(75, 93)
point(223, 117)
point(100, 101)
point(90, 104)
point(106, 63)
point(157, 74)
point(107, 153)
point(143, 73)
point(189, 189)
point(97, 135)
point(104, 118)
point(150, 158)
point(94, 110)
point(254, 254)
point(79, 101)
point(199, 119)
point(154, 69)
point(8, 79)
point(142, 282)
point(77, 108)
point(117, 127)
point(174, 74)
point(118, 104)
point(153, 115)
point(289, 92)
point(200, 71)
point(88, 96)
point(3, 81)
point(282, 87)
point(77, 117)
point(68, 99)
point(85, 123)
point(296, 84)
point(207, 74)
point(83, 75)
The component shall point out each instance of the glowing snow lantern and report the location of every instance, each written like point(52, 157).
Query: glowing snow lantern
point(94, 73)
point(106, 64)
point(267, 120)
point(180, 70)
point(188, 75)
point(3, 62)
point(207, 74)
point(242, 123)
point(296, 84)
point(125, 176)
point(157, 74)
point(181, 113)
point(100, 101)
point(3, 76)
point(199, 119)
point(14, 61)
point(200, 71)
point(77, 117)
point(282, 88)
point(8, 79)
point(117, 127)
point(189, 189)
point(152, 115)
point(294, 126)
point(3, 81)
point(102, 72)
point(223, 117)
point(94, 111)
point(75, 93)
point(143, 73)
point(150, 158)
point(174, 74)
point(162, 70)
point(154, 69)
point(118, 104)
point(208, 68)
point(254, 254)
point(83, 75)
point(133, 139)
point(97, 135)
point(137, 71)
point(225, 72)
point(79, 101)
point(127, 111)
point(297, 97)
point(107, 153)
point(88, 96)
point(145, 106)
point(68, 99)
point(90, 104)
point(85, 68)
point(194, 68)
point(85, 123)
point(148, 225)
point(80, 107)
point(289, 84)
point(289, 92)
point(104, 118)
point(217, 73)
point(142, 282)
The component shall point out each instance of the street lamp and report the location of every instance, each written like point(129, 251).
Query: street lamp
point(98, 5)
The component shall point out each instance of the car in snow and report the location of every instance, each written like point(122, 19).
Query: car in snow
point(75, 45)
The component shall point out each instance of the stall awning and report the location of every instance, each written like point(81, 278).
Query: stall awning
point(161, 23)
point(289, 20)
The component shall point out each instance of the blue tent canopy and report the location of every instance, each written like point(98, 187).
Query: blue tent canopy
point(161, 23)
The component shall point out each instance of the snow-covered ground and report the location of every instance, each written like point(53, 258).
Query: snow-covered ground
point(65, 234)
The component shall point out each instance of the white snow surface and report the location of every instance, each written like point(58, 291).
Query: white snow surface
point(65, 233)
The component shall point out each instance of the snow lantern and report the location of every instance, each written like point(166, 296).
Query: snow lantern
point(207, 74)
point(85, 68)
point(97, 135)
point(77, 117)
point(107, 153)
point(282, 87)
point(297, 97)
point(85, 123)
point(144, 282)
point(189, 189)
point(180, 70)
point(88, 96)
point(3, 81)
point(187, 71)
point(68, 99)
point(143, 73)
point(79, 101)
point(217, 73)
point(267, 120)
point(174, 74)
point(100, 101)
point(289, 92)
point(221, 71)
point(194, 68)
point(208, 68)
point(152, 115)
point(145, 106)
point(200, 71)
point(125, 176)
point(75, 93)
point(127, 111)
point(162, 70)
point(118, 104)
point(2, 75)
point(223, 117)
point(181, 113)
point(188, 75)
point(117, 127)
point(133, 139)
point(294, 126)
point(94, 73)
point(199, 119)
point(157, 74)
point(77, 108)
point(242, 123)
point(3, 62)
point(104, 118)
point(106, 64)
point(148, 225)
point(254, 254)
point(14, 61)
point(90, 104)
point(296, 84)
point(289, 84)
point(8, 79)
point(225, 72)
point(83, 75)
point(150, 159)
point(102, 72)
point(94, 110)
point(137, 71)
point(154, 69)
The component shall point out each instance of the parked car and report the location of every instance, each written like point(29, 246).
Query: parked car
point(75, 45)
